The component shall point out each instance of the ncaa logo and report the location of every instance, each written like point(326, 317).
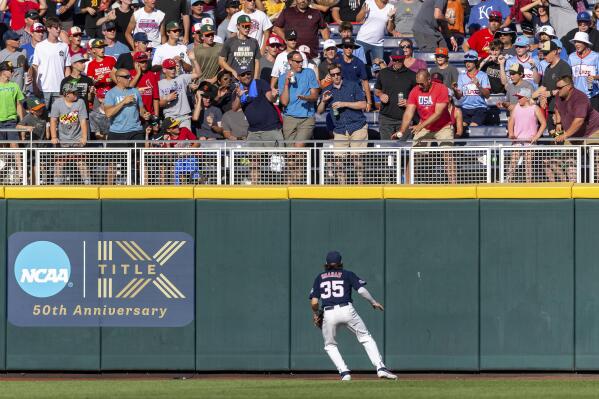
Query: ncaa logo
point(42, 269)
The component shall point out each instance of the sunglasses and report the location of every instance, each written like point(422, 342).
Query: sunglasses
point(175, 30)
point(171, 68)
point(515, 73)
point(208, 34)
point(348, 46)
point(77, 35)
point(333, 74)
point(124, 76)
point(245, 74)
point(246, 26)
point(296, 61)
point(406, 46)
point(561, 87)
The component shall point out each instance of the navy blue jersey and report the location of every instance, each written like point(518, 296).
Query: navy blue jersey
point(333, 287)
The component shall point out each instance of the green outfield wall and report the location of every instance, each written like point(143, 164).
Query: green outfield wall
point(473, 278)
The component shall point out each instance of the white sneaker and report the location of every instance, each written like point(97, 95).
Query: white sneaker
point(345, 376)
point(384, 373)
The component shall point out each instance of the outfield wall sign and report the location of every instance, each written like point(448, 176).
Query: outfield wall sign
point(100, 279)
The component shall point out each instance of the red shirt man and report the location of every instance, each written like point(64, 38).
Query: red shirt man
point(99, 68)
point(481, 39)
point(18, 9)
point(147, 84)
point(426, 101)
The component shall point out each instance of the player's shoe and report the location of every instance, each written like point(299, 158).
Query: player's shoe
point(384, 373)
point(345, 376)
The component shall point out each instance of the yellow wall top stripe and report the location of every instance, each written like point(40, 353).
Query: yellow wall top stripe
point(52, 192)
point(140, 192)
point(245, 192)
point(585, 191)
point(524, 191)
point(336, 192)
point(431, 191)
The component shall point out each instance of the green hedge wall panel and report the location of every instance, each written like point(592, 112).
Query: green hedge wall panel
point(432, 284)
point(527, 281)
point(242, 285)
point(148, 348)
point(3, 288)
point(587, 284)
point(56, 348)
point(356, 229)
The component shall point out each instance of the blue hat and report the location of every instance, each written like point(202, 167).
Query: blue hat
point(10, 35)
point(583, 16)
point(521, 41)
point(471, 55)
point(397, 53)
point(333, 257)
point(558, 43)
point(140, 37)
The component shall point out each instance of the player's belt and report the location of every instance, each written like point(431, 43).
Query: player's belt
point(336, 306)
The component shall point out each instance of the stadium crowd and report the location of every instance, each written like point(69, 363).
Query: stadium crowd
point(78, 71)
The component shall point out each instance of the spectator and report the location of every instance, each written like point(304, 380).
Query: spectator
point(149, 20)
point(538, 18)
point(114, 48)
point(346, 103)
point(480, 40)
point(173, 92)
point(51, 63)
point(473, 88)
point(91, 9)
point(306, 22)
point(393, 87)
point(405, 15)
point(448, 71)
point(377, 17)
point(584, 25)
point(455, 13)
point(207, 117)
point(305, 53)
point(525, 125)
point(506, 36)
point(15, 56)
point(223, 29)
point(226, 91)
point(121, 16)
point(205, 54)
point(171, 49)
point(34, 122)
point(573, 112)
point(171, 130)
point(585, 68)
point(75, 34)
point(241, 53)
point(235, 125)
point(146, 81)
point(513, 86)
point(531, 65)
point(329, 57)
point(100, 67)
point(275, 46)
point(125, 60)
point(346, 10)
point(281, 65)
point(18, 11)
point(546, 33)
point(31, 17)
point(353, 70)
point(493, 68)
point(410, 61)
point(260, 23)
point(346, 31)
point(197, 12)
point(124, 106)
point(11, 100)
point(37, 36)
point(431, 26)
point(480, 14)
point(84, 84)
point(176, 11)
point(63, 10)
point(299, 91)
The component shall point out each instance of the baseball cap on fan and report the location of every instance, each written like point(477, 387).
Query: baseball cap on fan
point(37, 27)
point(140, 56)
point(141, 37)
point(169, 63)
point(495, 16)
point(328, 44)
point(524, 92)
point(290, 34)
point(275, 40)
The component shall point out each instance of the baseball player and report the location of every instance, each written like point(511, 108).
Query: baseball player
point(333, 287)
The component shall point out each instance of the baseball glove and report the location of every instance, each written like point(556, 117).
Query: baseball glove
point(317, 318)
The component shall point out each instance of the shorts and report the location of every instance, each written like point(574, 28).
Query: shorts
point(474, 115)
point(112, 136)
point(345, 140)
point(298, 129)
point(9, 136)
point(268, 138)
point(445, 133)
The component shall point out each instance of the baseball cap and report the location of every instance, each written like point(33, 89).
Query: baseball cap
point(443, 51)
point(548, 46)
point(471, 55)
point(97, 43)
point(232, 3)
point(558, 43)
point(506, 30)
point(521, 41)
point(333, 257)
point(290, 34)
point(34, 103)
point(304, 49)
point(194, 2)
point(32, 14)
point(141, 37)
point(583, 16)
point(140, 56)
point(546, 29)
point(173, 25)
point(524, 92)
point(169, 63)
point(169, 123)
point(78, 58)
point(517, 68)
point(75, 30)
point(37, 27)
point(437, 77)
point(6, 66)
point(207, 21)
point(275, 39)
point(328, 44)
point(10, 35)
point(207, 29)
point(348, 41)
point(495, 16)
point(101, 92)
point(69, 88)
point(108, 26)
point(397, 54)
point(197, 27)
point(243, 19)
point(527, 28)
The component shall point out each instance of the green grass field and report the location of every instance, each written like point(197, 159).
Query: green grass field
point(462, 388)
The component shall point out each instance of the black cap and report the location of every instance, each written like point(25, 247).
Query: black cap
point(32, 14)
point(527, 27)
point(290, 34)
point(348, 41)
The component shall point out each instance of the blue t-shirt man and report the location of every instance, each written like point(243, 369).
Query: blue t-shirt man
point(305, 80)
point(472, 97)
point(479, 14)
point(333, 287)
point(349, 120)
point(127, 119)
point(355, 70)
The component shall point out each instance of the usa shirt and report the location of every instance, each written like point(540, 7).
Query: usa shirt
point(333, 287)
point(583, 67)
point(472, 97)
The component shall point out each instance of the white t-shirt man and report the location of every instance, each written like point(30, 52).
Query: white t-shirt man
point(166, 51)
point(373, 29)
point(149, 23)
point(51, 60)
point(281, 64)
point(260, 23)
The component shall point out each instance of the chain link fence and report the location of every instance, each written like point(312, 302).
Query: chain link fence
point(177, 166)
point(288, 166)
point(450, 165)
point(540, 164)
point(360, 166)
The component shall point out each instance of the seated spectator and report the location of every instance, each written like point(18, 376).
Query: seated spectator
point(235, 125)
point(226, 91)
point(206, 117)
point(412, 63)
point(479, 41)
point(171, 130)
point(492, 66)
point(446, 70)
point(585, 68)
point(353, 69)
point(481, 13)
point(473, 88)
point(506, 37)
point(537, 13)
point(114, 48)
point(430, 27)
point(405, 15)
point(377, 20)
point(523, 57)
point(583, 19)
point(173, 92)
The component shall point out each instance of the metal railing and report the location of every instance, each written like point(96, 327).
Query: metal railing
point(360, 166)
point(450, 165)
point(270, 166)
point(168, 166)
point(538, 164)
